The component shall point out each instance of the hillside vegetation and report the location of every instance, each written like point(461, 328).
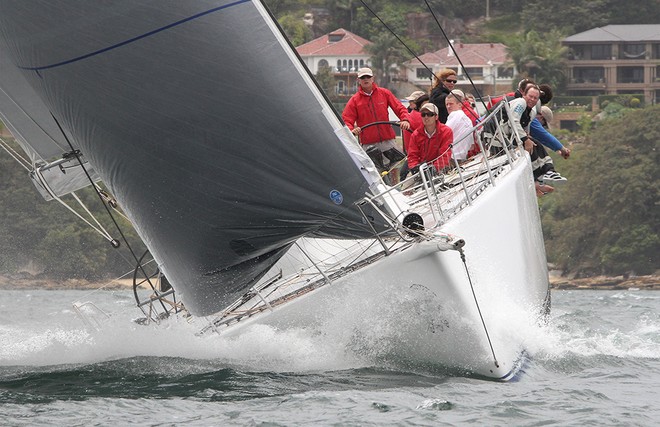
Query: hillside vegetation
point(44, 237)
point(508, 16)
point(606, 219)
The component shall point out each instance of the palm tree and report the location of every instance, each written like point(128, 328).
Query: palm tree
point(347, 7)
point(539, 58)
point(385, 51)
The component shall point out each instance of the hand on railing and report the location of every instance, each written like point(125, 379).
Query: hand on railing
point(564, 152)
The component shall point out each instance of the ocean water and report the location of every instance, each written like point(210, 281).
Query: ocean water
point(596, 363)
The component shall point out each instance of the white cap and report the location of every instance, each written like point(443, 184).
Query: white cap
point(365, 72)
point(416, 94)
point(431, 107)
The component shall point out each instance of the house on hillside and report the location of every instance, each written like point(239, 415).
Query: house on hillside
point(341, 50)
point(615, 60)
point(487, 64)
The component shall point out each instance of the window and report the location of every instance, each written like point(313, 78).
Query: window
point(630, 75)
point(576, 52)
point(474, 71)
point(656, 51)
point(350, 65)
point(588, 75)
point(344, 65)
point(422, 73)
point(339, 65)
point(323, 64)
point(504, 72)
point(601, 51)
point(632, 51)
point(361, 63)
point(334, 38)
point(340, 87)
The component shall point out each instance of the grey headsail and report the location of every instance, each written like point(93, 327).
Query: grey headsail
point(54, 171)
point(203, 123)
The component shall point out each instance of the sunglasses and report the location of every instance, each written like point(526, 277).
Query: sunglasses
point(451, 81)
point(428, 114)
point(365, 77)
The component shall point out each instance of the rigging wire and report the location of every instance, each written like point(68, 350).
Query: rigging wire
point(451, 46)
point(431, 74)
point(77, 155)
point(15, 154)
point(476, 302)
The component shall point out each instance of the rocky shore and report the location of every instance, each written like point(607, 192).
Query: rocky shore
point(607, 282)
point(22, 282)
point(556, 282)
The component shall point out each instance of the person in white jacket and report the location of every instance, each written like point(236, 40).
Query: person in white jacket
point(460, 124)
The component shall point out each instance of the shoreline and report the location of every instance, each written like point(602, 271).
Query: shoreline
point(650, 282)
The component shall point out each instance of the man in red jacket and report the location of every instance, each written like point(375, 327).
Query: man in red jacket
point(430, 143)
point(370, 105)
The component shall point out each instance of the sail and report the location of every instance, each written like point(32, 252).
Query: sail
point(204, 124)
point(32, 125)
point(26, 116)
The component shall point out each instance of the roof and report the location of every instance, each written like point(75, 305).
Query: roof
point(348, 44)
point(618, 33)
point(471, 54)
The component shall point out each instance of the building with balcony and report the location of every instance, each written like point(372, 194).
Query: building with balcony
point(341, 50)
point(615, 60)
point(487, 64)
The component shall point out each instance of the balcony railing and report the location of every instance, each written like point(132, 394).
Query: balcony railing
point(588, 80)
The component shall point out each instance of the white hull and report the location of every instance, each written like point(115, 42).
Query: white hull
point(156, 84)
point(416, 305)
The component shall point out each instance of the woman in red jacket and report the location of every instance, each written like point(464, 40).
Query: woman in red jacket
point(430, 143)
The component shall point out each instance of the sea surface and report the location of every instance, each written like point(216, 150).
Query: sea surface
point(596, 363)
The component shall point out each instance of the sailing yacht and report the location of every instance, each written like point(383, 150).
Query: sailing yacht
point(281, 219)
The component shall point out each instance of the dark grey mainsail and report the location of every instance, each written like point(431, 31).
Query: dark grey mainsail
point(201, 120)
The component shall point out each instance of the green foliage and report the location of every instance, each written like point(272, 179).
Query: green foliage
point(326, 79)
point(567, 17)
point(585, 123)
point(613, 110)
point(539, 56)
point(295, 29)
point(581, 15)
point(572, 101)
point(385, 52)
point(606, 220)
point(625, 100)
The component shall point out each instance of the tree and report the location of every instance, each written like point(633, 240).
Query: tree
point(295, 29)
point(46, 236)
point(567, 17)
point(386, 51)
point(581, 15)
point(539, 58)
point(606, 220)
point(345, 11)
point(326, 81)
